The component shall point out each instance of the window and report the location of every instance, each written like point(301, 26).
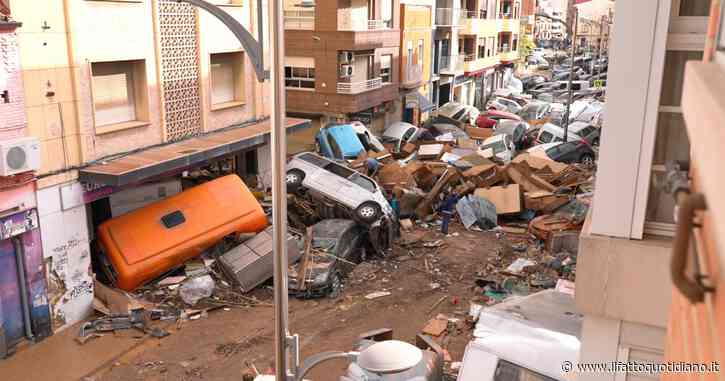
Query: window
point(385, 68)
point(515, 43)
point(546, 137)
point(482, 48)
point(698, 8)
point(227, 79)
point(299, 77)
point(420, 53)
point(410, 53)
point(119, 92)
point(364, 183)
point(673, 77)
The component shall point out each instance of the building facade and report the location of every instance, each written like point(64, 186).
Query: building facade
point(124, 96)
point(623, 271)
point(342, 60)
point(474, 41)
point(416, 53)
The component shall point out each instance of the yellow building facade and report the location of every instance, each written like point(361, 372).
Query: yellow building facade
point(416, 53)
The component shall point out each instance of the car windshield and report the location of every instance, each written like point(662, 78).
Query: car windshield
point(496, 147)
point(389, 139)
point(507, 371)
point(362, 182)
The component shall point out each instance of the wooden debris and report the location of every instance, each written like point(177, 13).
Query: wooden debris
point(521, 174)
point(305, 261)
point(406, 224)
point(543, 201)
point(435, 327)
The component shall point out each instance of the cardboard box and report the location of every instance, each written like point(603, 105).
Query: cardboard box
point(507, 199)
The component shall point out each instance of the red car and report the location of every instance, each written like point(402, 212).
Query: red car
point(489, 118)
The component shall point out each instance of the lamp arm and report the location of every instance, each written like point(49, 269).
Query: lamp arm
point(319, 358)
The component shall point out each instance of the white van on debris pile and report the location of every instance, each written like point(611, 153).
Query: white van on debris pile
point(551, 133)
point(535, 338)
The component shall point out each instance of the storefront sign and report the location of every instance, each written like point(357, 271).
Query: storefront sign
point(18, 224)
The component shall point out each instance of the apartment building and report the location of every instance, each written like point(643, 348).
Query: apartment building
point(120, 94)
point(474, 40)
point(342, 60)
point(24, 311)
point(624, 284)
point(416, 53)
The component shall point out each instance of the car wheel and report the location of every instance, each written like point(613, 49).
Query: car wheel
point(294, 179)
point(587, 160)
point(368, 211)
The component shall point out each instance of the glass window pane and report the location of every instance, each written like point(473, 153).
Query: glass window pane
point(694, 7)
point(673, 76)
point(671, 144)
point(299, 72)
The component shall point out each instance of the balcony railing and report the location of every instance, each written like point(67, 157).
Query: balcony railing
point(470, 57)
point(504, 49)
point(505, 15)
point(475, 14)
point(451, 64)
point(359, 87)
point(378, 24)
point(448, 17)
point(300, 20)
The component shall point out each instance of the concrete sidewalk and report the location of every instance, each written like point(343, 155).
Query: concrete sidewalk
point(60, 357)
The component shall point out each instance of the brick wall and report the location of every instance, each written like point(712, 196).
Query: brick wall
point(12, 105)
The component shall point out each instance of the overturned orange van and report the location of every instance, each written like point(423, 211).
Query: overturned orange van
point(145, 243)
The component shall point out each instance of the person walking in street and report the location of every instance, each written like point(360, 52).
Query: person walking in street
point(446, 209)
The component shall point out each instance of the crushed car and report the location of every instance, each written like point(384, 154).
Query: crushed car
point(337, 246)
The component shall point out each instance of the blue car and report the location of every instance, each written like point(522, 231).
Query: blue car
point(339, 142)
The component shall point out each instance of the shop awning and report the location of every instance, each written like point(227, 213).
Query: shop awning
point(158, 160)
point(417, 100)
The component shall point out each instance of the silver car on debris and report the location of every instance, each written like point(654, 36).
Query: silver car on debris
point(352, 190)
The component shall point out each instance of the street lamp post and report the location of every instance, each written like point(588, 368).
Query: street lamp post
point(572, 32)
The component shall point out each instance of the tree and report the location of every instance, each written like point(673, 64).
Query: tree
point(526, 46)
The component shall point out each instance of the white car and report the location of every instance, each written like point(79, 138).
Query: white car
point(505, 104)
point(501, 146)
point(368, 140)
point(399, 134)
point(359, 194)
point(460, 113)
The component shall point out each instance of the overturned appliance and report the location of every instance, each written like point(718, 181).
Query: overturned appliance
point(250, 264)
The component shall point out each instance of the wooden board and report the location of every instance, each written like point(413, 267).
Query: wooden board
point(507, 199)
point(435, 327)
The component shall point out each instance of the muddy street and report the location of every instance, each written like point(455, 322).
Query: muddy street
point(223, 345)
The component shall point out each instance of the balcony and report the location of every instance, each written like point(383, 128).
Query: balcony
point(299, 20)
point(451, 65)
point(506, 54)
point(359, 87)
point(412, 76)
point(362, 25)
point(475, 23)
point(448, 17)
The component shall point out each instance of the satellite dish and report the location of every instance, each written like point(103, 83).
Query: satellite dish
point(390, 356)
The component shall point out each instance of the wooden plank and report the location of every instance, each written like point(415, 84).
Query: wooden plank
point(305, 261)
point(520, 173)
point(507, 199)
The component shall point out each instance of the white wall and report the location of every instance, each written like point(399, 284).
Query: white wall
point(66, 252)
point(635, 72)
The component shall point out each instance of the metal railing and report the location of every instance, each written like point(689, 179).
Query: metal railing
point(451, 64)
point(448, 16)
point(504, 49)
point(359, 87)
point(505, 15)
point(301, 20)
point(470, 57)
point(474, 14)
point(378, 24)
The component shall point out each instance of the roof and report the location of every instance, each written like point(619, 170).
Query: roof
point(161, 159)
point(539, 331)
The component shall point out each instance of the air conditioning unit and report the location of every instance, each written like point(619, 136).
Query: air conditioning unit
point(19, 155)
point(346, 71)
point(345, 57)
